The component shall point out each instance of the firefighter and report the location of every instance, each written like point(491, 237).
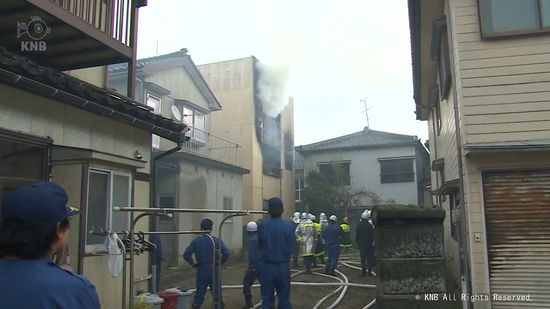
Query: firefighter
point(295, 252)
point(305, 236)
point(332, 235)
point(275, 244)
point(364, 237)
point(202, 247)
point(345, 243)
point(251, 274)
point(319, 245)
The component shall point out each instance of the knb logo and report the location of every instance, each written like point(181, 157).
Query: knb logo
point(36, 29)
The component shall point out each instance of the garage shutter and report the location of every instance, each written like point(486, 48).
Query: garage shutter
point(517, 214)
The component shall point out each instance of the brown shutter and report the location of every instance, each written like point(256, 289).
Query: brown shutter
point(517, 214)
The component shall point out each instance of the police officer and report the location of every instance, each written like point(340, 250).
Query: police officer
point(202, 247)
point(346, 235)
point(251, 274)
point(305, 235)
point(34, 224)
point(332, 235)
point(275, 243)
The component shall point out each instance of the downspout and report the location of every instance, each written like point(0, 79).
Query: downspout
point(152, 202)
point(464, 249)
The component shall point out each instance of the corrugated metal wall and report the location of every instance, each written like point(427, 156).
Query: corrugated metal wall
point(517, 214)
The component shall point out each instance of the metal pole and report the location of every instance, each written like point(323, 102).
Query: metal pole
point(132, 227)
point(242, 212)
point(219, 261)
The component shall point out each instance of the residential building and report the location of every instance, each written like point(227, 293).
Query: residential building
point(206, 173)
point(68, 128)
point(267, 140)
point(393, 166)
point(480, 71)
point(299, 178)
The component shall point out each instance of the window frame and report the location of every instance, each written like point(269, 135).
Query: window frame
point(298, 188)
point(440, 53)
point(91, 248)
point(192, 125)
point(487, 35)
point(155, 139)
point(411, 159)
point(346, 181)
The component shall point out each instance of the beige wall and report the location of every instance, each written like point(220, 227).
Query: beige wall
point(474, 197)
point(504, 83)
point(94, 76)
point(69, 126)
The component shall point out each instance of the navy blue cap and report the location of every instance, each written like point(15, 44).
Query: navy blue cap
point(275, 203)
point(38, 204)
point(206, 224)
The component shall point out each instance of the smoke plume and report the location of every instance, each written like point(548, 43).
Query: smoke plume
point(272, 90)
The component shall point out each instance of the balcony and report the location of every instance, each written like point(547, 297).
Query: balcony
point(208, 146)
point(70, 34)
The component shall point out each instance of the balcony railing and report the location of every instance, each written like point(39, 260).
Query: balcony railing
point(113, 17)
point(212, 147)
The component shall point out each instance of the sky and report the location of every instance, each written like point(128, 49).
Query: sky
point(331, 54)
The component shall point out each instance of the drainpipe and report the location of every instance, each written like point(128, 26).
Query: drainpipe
point(152, 202)
point(464, 248)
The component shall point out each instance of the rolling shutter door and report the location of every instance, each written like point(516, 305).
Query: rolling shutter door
point(517, 214)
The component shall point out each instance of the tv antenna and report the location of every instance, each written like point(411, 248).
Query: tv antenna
point(364, 101)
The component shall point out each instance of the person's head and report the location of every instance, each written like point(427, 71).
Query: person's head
point(303, 216)
point(312, 218)
point(251, 227)
point(275, 207)
point(206, 225)
point(365, 215)
point(332, 219)
point(345, 220)
point(34, 221)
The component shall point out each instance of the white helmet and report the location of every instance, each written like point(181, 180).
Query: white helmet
point(296, 214)
point(251, 226)
point(365, 215)
point(304, 215)
point(333, 218)
point(310, 217)
point(322, 216)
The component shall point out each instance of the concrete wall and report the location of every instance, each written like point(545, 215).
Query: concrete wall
point(365, 171)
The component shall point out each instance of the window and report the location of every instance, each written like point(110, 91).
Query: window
point(167, 201)
point(440, 53)
point(298, 189)
point(512, 17)
point(106, 190)
point(396, 170)
point(154, 103)
point(289, 152)
point(436, 103)
point(337, 173)
point(454, 208)
point(196, 120)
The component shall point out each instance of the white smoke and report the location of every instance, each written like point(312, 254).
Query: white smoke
point(272, 90)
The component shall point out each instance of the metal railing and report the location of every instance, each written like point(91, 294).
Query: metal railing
point(213, 147)
point(113, 17)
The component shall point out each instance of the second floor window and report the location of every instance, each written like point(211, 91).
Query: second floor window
point(197, 121)
point(396, 170)
point(512, 17)
point(154, 102)
point(336, 172)
point(298, 189)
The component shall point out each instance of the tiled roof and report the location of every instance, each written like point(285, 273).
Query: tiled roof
point(122, 67)
point(25, 74)
point(364, 139)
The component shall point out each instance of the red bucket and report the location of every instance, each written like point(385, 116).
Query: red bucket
point(170, 300)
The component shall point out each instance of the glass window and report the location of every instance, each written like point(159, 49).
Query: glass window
point(396, 170)
point(509, 17)
point(337, 173)
point(298, 189)
point(106, 190)
point(154, 103)
point(197, 121)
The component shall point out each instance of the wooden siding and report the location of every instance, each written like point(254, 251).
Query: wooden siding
point(177, 80)
point(504, 83)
